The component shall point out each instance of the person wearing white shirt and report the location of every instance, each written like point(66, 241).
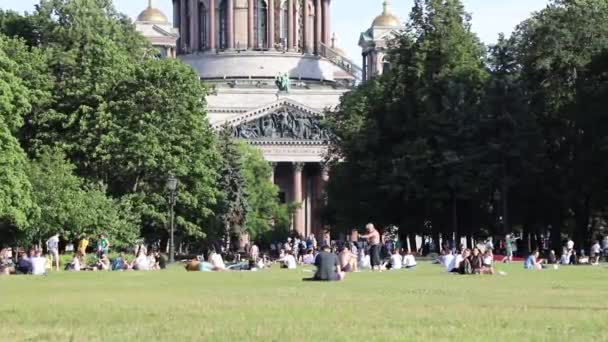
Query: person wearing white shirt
point(396, 260)
point(141, 263)
point(289, 261)
point(455, 264)
point(38, 264)
point(448, 260)
point(364, 259)
point(596, 250)
point(570, 245)
point(409, 261)
point(217, 262)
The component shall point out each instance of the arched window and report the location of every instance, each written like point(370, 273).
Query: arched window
point(261, 27)
point(284, 27)
point(223, 18)
point(202, 10)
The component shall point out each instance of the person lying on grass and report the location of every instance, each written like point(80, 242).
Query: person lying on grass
point(215, 264)
point(328, 267)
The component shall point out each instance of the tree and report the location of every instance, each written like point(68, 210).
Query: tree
point(124, 119)
point(408, 137)
point(509, 136)
point(559, 50)
point(265, 212)
point(69, 207)
point(16, 205)
point(234, 200)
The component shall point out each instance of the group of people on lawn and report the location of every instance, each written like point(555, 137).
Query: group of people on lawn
point(35, 262)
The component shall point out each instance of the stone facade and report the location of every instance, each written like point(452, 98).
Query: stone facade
point(239, 48)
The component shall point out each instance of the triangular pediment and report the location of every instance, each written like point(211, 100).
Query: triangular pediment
point(284, 120)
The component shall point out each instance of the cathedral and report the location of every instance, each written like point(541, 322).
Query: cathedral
point(275, 68)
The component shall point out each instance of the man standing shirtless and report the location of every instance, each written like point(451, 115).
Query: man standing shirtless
point(373, 237)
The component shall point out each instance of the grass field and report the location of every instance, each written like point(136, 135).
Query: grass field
point(421, 305)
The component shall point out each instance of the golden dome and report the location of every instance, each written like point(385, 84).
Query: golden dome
point(152, 15)
point(386, 18)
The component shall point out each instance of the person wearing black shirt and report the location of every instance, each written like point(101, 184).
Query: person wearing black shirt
point(162, 261)
point(328, 267)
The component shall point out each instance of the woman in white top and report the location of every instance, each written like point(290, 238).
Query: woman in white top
point(216, 261)
point(289, 261)
point(409, 261)
point(141, 263)
point(396, 260)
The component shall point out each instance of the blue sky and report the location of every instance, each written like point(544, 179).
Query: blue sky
point(350, 17)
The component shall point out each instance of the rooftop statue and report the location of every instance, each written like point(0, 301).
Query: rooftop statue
point(283, 83)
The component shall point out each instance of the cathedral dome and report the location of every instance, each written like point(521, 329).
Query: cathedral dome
point(152, 15)
point(387, 18)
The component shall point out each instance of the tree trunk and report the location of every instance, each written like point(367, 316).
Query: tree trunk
point(455, 215)
point(505, 206)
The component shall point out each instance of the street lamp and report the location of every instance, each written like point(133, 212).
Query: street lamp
point(172, 187)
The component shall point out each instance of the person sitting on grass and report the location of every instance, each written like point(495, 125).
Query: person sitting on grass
point(409, 261)
point(161, 261)
point(476, 261)
point(348, 261)
point(152, 265)
point(448, 260)
point(465, 266)
point(141, 262)
point(533, 262)
point(309, 257)
point(289, 261)
point(38, 264)
point(328, 266)
point(120, 263)
point(75, 264)
point(396, 260)
point(24, 265)
point(103, 264)
point(552, 259)
point(364, 259)
point(488, 262)
point(6, 262)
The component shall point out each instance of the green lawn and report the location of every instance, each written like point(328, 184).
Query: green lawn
point(421, 305)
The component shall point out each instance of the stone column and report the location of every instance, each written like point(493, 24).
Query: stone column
point(271, 24)
point(230, 24)
point(307, 45)
point(184, 44)
point(251, 18)
point(194, 23)
point(364, 66)
point(291, 35)
point(273, 167)
point(212, 35)
point(298, 219)
point(326, 22)
point(318, 27)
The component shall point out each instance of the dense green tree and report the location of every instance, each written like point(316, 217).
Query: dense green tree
point(69, 207)
point(408, 137)
point(16, 205)
point(124, 119)
point(560, 49)
point(233, 202)
point(265, 213)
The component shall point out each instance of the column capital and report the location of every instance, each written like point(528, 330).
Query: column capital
point(298, 166)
